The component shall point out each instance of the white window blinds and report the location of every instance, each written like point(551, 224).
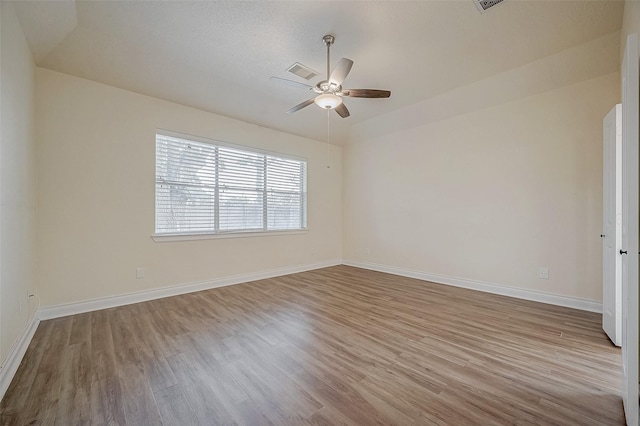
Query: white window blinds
point(205, 188)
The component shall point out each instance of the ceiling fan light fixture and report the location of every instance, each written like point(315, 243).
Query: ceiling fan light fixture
point(328, 100)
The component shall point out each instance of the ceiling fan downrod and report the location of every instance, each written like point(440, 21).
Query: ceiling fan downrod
point(328, 41)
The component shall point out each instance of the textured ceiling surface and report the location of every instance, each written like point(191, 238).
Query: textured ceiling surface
point(219, 55)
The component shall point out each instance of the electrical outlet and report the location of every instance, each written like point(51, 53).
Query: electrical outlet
point(367, 251)
point(139, 273)
point(543, 273)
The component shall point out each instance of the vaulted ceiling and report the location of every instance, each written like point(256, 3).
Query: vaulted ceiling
point(219, 55)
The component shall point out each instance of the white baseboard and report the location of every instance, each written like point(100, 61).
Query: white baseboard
point(143, 296)
point(553, 299)
point(14, 358)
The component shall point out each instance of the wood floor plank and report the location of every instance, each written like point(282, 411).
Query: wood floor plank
point(74, 406)
point(206, 406)
point(174, 406)
point(124, 342)
point(80, 329)
point(138, 403)
point(103, 356)
point(44, 398)
point(334, 346)
point(107, 402)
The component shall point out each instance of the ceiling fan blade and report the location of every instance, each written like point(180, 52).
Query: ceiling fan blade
point(366, 93)
point(342, 111)
point(291, 83)
point(301, 105)
point(341, 71)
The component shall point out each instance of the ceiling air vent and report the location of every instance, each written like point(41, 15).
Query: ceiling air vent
point(302, 71)
point(483, 5)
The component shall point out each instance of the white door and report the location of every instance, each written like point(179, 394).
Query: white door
point(629, 251)
point(611, 225)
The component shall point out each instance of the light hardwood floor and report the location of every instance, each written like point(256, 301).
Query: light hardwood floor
point(339, 345)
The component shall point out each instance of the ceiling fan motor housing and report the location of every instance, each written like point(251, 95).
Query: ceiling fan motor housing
point(327, 87)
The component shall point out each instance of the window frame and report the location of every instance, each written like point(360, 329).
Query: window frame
point(218, 234)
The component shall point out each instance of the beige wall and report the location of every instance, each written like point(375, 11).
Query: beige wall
point(489, 195)
point(17, 181)
point(630, 21)
point(96, 153)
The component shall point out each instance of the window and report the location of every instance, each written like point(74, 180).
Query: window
point(203, 188)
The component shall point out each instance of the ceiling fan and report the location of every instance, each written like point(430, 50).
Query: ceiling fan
point(330, 91)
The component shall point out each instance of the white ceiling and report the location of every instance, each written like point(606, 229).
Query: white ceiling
point(219, 55)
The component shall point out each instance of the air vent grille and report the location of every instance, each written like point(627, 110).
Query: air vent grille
point(483, 5)
point(302, 71)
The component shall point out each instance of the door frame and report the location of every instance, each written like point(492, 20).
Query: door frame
point(630, 219)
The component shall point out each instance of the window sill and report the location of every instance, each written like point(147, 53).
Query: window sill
point(161, 238)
